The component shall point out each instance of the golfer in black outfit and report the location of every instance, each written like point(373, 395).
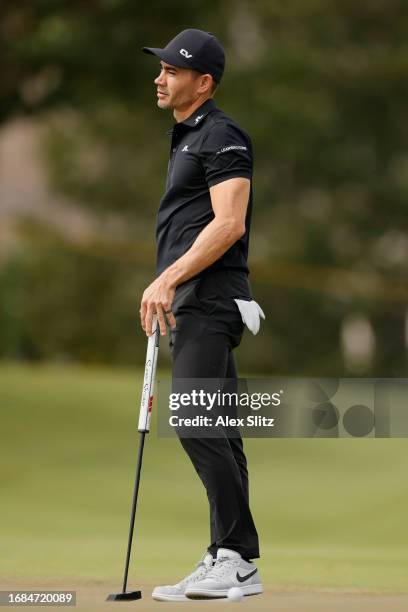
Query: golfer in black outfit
point(202, 236)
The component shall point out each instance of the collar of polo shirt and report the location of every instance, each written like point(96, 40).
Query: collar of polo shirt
point(196, 118)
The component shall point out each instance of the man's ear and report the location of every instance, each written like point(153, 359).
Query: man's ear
point(206, 83)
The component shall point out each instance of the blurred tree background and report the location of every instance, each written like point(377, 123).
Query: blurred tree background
point(322, 88)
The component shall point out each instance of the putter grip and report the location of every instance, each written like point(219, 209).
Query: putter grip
point(146, 403)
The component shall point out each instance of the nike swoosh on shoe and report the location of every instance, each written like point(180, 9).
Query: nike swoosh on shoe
point(243, 578)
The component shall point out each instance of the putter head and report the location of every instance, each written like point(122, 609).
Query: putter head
point(124, 596)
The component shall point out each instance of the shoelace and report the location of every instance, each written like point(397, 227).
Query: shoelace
point(199, 571)
point(222, 566)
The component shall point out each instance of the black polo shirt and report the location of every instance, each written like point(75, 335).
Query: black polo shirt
point(206, 148)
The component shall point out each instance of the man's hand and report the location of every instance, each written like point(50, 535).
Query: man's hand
point(157, 299)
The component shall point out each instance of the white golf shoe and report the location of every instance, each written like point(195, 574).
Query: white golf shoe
point(229, 570)
point(176, 592)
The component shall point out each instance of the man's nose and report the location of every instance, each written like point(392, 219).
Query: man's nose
point(159, 79)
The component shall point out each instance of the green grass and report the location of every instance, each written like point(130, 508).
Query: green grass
point(330, 512)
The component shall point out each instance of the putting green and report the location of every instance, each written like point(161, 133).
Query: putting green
point(330, 513)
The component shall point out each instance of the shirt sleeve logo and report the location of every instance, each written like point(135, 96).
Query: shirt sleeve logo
point(186, 53)
point(230, 148)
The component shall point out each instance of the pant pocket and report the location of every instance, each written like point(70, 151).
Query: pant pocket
point(185, 296)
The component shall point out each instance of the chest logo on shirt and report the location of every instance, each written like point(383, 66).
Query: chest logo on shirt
point(185, 148)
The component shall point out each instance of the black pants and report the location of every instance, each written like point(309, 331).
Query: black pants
point(209, 327)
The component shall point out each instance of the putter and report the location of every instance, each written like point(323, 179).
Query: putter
point(146, 406)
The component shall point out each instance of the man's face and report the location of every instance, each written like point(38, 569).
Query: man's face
point(176, 87)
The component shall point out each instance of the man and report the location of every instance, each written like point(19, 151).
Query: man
point(202, 291)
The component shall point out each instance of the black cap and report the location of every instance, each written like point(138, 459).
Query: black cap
point(193, 49)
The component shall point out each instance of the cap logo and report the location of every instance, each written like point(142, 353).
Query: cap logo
point(185, 53)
